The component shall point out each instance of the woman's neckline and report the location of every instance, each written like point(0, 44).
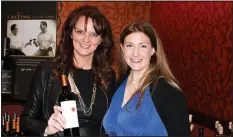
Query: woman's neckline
point(81, 69)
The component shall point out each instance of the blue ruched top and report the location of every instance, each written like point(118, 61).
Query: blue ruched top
point(131, 121)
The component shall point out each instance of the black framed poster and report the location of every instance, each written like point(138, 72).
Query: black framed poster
point(28, 38)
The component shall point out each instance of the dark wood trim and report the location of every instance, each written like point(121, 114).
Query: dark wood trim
point(8, 100)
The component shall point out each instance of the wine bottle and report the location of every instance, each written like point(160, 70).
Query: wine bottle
point(14, 116)
point(5, 116)
point(191, 122)
point(6, 53)
point(3, 125)
point(4, 50)
point(68, 104)
point(21, 133)
point(220, 131)
point(7, 129)
point(190, 118)
point(216, 127)
point(230, 129)
point(201, 132)
point(17, 119)
point(191, 127)
point(12, 131)
point(17, 131)
point(9, 118)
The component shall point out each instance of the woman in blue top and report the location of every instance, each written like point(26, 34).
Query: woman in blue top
point(149, 101)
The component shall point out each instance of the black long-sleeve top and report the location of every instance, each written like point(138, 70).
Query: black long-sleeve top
point(45, 91)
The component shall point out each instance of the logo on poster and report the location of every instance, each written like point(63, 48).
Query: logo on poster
point(73, 109)
point(18, 15)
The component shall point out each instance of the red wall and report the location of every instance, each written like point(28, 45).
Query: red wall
point(197, 37)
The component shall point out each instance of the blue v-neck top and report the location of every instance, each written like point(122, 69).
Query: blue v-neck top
point(131, 121)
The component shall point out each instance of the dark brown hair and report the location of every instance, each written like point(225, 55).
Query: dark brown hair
point(64, 53)
point(158, 66)
point(44, 23)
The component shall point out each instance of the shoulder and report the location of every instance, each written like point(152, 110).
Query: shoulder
point(172, 107)
point(40, 33)
point(40, 76)
point(43, 68)
point(10, 35)
point(120, 86)
point(122, 79)
point(49, 34)
point(165, 92)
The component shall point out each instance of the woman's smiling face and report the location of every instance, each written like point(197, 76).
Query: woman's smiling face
point(137, 51)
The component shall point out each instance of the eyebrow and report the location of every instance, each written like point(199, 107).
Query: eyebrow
point(77, 28)
point(83, 30)
point(139, 43)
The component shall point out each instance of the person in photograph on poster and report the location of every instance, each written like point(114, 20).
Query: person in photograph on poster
point(44, 41)
point(38, 34)
point(16, 42)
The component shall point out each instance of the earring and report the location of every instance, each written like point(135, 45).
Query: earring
point(71, 36)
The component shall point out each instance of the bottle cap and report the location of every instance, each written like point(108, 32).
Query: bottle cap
point(18, 119)
point(219, 125)
point(64, 80)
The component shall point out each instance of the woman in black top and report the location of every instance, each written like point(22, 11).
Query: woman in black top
point(83, 50)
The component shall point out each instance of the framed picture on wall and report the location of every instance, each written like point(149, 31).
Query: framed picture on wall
point(29, 38)
point(32, 37)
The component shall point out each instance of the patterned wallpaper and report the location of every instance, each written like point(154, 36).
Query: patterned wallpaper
point(197, 37)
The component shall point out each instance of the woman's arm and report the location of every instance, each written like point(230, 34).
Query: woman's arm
point(172, 108)
point(32, 119)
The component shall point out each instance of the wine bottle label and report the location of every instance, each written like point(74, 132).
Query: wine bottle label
point(70, 113)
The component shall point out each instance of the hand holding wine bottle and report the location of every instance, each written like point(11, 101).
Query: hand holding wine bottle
point(65, 117)
point(56, 122)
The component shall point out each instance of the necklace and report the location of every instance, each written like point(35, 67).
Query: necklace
point(74, 88)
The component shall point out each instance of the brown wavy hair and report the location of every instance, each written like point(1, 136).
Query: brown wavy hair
point(63, 61)
point(158, 66)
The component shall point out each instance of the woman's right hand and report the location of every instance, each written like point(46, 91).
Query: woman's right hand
point(56, 122)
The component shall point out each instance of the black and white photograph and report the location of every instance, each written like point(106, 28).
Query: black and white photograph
point(32, 37)
point(28, 31)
